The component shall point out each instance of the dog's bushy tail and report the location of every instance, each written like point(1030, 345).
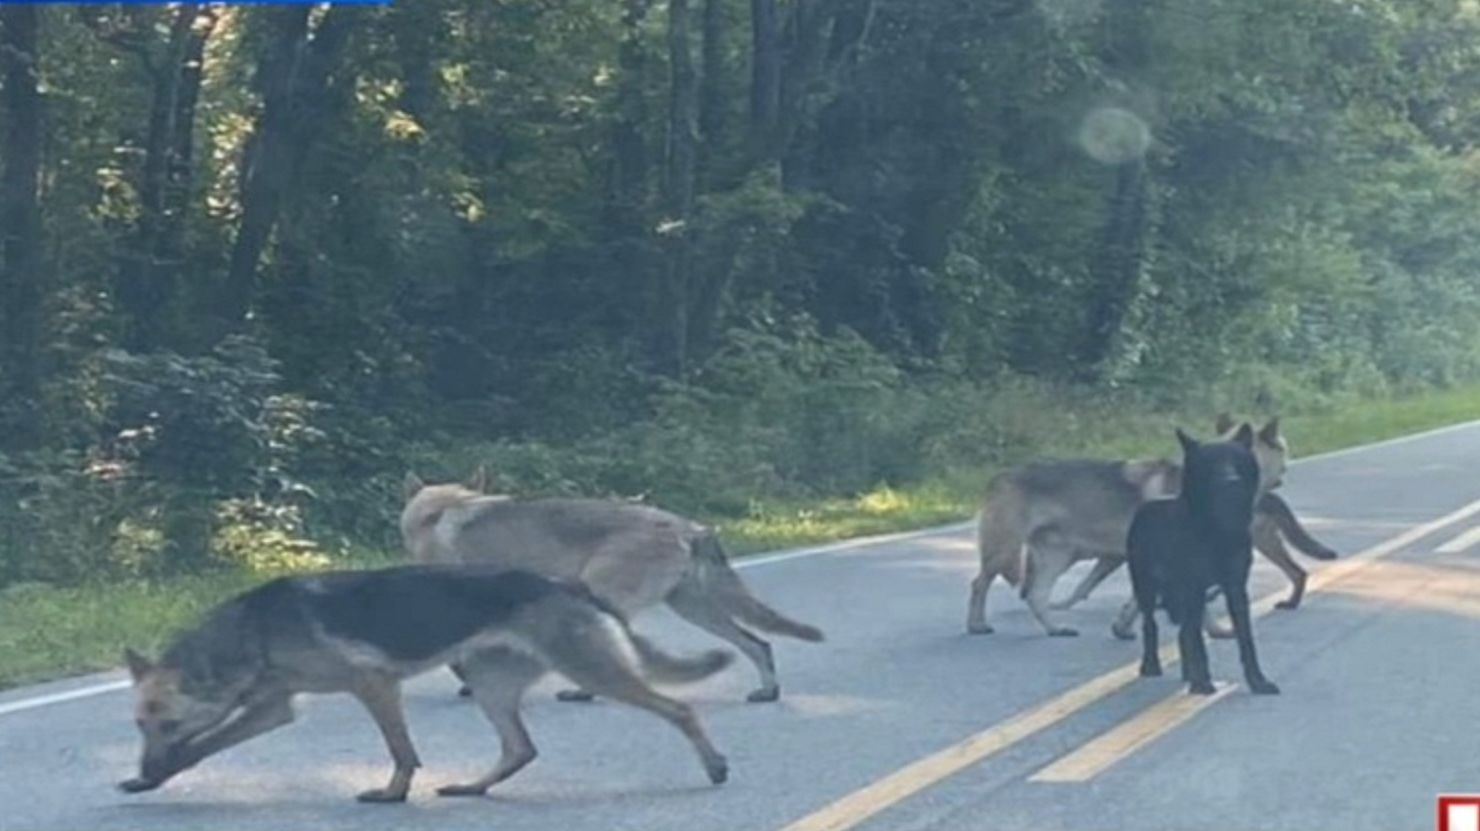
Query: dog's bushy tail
point(721, 582)
point(664, 668)
point(1291, 529)
point(594, 631)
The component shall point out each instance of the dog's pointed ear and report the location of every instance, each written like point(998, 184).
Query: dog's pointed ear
point(1223, 424)
point(1188, 443)
point(411, 485)
point(1245, 436)
point(1270, 432)
point(479, 480)
point(138, 665)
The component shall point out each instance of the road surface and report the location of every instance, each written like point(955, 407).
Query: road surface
point(902, 721)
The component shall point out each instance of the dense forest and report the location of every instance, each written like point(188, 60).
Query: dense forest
point(258, 261)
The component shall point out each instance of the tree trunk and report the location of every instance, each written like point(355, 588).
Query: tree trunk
point(295, 76)
point(1119, 267)
point(630, 155)
point(765, 78)
point(1127, 241)
point(149, 271)
point(20, 229)
point(678, 197)
point(712, 109)
point(415, 31)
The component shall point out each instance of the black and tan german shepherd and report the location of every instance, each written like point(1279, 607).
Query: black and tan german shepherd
point(234, 676)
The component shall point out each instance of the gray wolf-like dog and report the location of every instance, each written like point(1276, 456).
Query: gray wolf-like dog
point(1179, 548)
point(234, 675)
point(630, 555)
point(1037, 520)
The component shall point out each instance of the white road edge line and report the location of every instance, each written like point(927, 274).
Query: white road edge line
point(24, 704)
point(844, 545)
point(57, 698)
point(1460, 543)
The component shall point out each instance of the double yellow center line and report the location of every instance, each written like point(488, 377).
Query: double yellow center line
point(1102, 751)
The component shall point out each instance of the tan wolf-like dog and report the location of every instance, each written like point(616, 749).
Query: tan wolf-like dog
point(630, 555)
point(234, 676)
point(1039, 519)
point(1274, 523)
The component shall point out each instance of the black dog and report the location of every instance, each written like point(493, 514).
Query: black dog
point(1180, 548)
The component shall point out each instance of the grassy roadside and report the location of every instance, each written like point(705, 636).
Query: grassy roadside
point(52, 632)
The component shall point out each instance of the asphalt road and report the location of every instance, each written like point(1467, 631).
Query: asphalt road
point(900, 720)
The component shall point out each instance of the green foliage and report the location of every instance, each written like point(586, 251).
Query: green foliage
point(199, 422)
point(939, 237)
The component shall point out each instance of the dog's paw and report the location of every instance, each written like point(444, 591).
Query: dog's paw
point(764, 695)
point(1221, 634)
point(461, 790)
point(1287, 604)
point(1150, 670)
point(1063, 632)
point(383, 795)
point(576, 695)
point(1201, 688)
point(1263, 686)
point(139, 784)
point(718, 770)
point(979, 629)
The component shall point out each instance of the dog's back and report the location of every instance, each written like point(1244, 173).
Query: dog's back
point(321, 628)
point(632, 555)
point(1083, 500)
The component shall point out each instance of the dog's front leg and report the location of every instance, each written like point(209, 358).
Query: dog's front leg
point(1194, 651)
point(381, 695)
point(1237, 596)
point(1150, 659)
point(259, 717)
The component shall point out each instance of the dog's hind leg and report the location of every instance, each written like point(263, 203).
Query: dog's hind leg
point(689, 601)
point(999, 548)
point(1210, 624)
point(381, 695)
point(1104, 567)
point(1050, 561)
point(499, 679)
point(1238, 609)
point(976, 606)
point(1269, 543)
point(1144, 591)
point(1124, 620)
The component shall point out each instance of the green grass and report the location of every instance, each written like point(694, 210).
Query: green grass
point(1378, 420)
point(48, 632)
point(952, 496)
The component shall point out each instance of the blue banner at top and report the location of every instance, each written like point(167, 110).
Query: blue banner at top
point(211, 2)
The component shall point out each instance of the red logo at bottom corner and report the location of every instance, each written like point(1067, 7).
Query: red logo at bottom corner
point(1459, 812)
